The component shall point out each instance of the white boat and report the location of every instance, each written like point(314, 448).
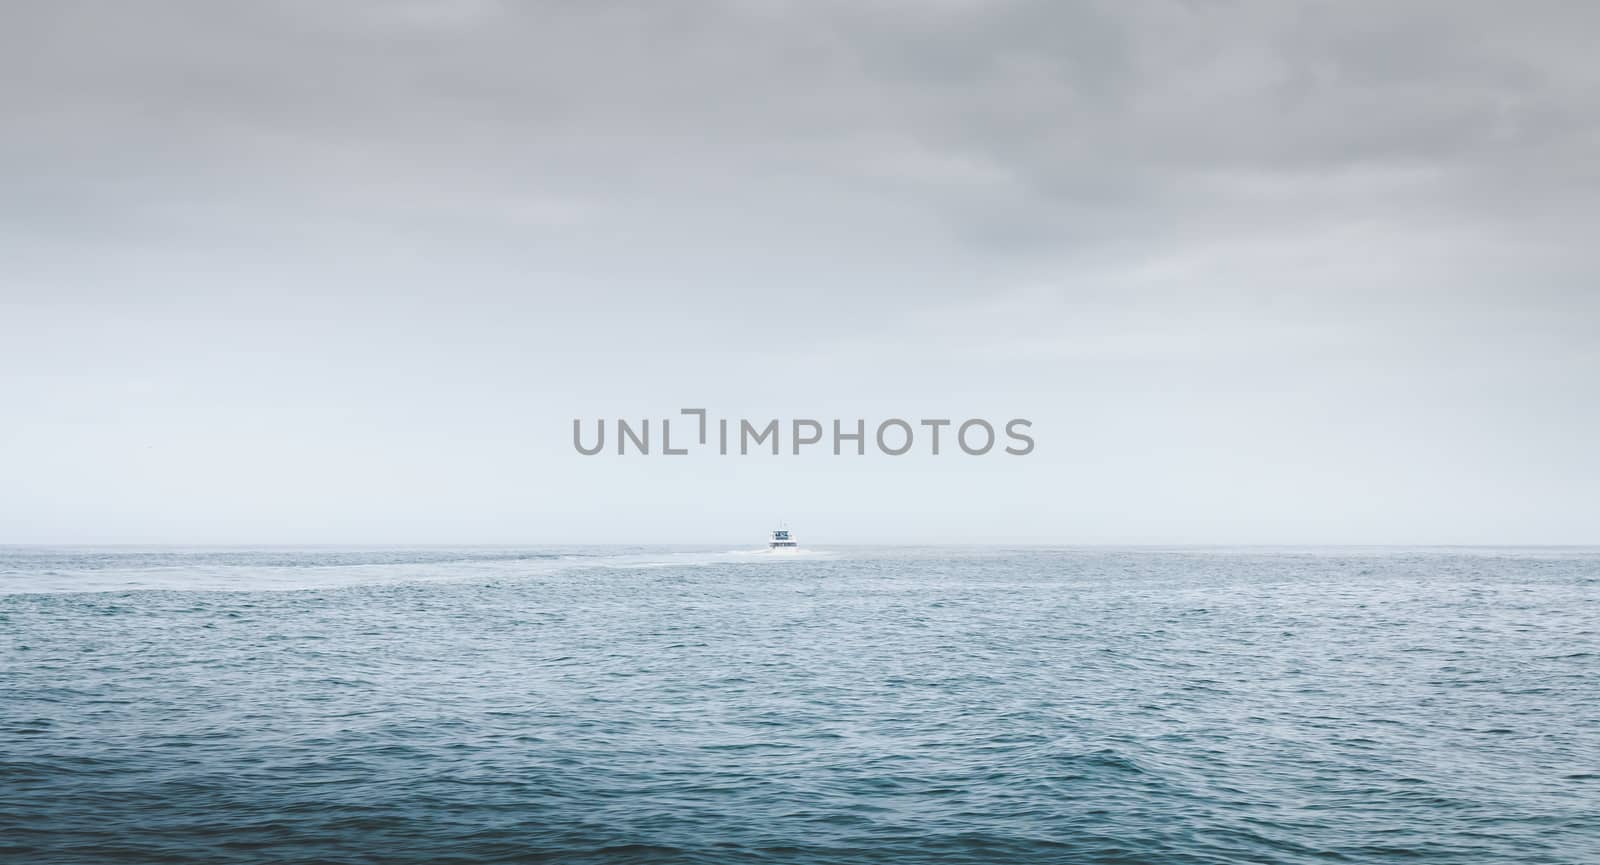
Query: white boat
point(781, 539)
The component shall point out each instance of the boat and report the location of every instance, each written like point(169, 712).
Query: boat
point(781, 539)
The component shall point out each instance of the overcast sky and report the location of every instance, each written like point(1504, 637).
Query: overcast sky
point(347, 271)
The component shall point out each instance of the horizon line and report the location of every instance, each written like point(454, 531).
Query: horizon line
point(916, 544)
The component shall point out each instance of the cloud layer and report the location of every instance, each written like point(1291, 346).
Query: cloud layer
point(1296, 272)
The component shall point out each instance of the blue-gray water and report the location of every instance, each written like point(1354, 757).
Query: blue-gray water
point(982, 705)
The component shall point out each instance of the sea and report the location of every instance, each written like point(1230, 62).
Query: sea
point(844, 705)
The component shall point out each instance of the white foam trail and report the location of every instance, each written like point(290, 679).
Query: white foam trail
point(233, 570)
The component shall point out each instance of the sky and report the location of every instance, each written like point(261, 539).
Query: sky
point(1257, 272)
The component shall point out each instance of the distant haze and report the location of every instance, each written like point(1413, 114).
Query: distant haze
point(345, 272)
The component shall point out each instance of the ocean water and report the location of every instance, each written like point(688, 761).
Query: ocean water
point(852, 705)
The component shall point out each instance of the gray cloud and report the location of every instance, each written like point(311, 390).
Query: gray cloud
point(602, 204)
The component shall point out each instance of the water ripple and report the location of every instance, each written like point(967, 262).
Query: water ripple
point(702, 706)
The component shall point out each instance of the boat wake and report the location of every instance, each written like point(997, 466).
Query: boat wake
point(71, 570)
